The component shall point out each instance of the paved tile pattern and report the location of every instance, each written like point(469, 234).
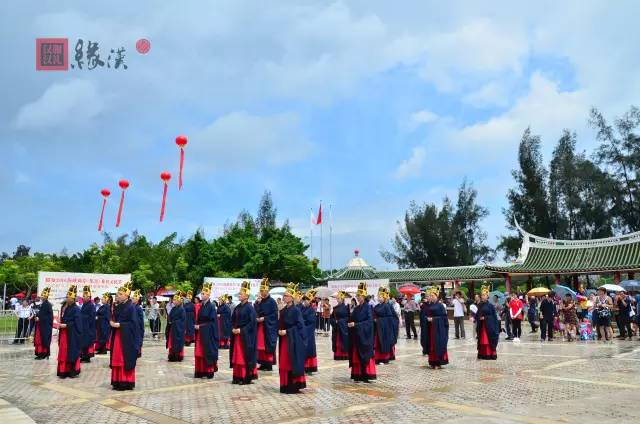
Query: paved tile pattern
point(531, 382)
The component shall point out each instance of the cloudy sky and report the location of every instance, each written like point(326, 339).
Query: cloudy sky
point(365, 105)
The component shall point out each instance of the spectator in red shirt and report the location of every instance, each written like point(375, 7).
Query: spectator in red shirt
point(516, 312)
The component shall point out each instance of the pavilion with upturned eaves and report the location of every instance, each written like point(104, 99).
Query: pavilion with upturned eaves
point(538, 256)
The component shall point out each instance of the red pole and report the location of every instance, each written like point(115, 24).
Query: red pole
point(164, 199)
point(104, 202)
point(120, 209)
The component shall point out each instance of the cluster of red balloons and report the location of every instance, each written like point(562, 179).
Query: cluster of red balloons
point(165, 176)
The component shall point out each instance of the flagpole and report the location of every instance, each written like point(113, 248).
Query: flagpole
point(330, 237)
point(321, 252)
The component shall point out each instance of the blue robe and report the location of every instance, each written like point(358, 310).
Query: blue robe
point(488, 311)
point(309, 319)
point(268, 308)
point(208, 322)
point(292, 321)
point(190, 319)
point(175, 327)
point(104, 316)
point(385, 330)
point(244, 318)
point(224, 315)
point(140, 333)
point(45, 320)
point(72, 317)
point(439, 323)
point(125, 314)
point(339, 320)
point(362, 333)
point(88, 337)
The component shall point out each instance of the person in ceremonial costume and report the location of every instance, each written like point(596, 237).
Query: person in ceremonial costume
point(243, 352)
point(267, 319)
point(88, 338)
point(339, 328)
point(434, 331)
point(44, 327)
point(224, 322)
point(206, 351)
point(124, 341)
point(293, 347)
point(175, 329)
point(487, 327)
point(103, 330)
point(69, 336)
point(385, 324)
point(363, 366)
point(190, 319)
point(309, 319)
point(137, 300)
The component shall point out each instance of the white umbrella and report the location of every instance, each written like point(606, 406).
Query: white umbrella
point(351, 290)
point(324, 292)
point(611, 288)
point(277, 290)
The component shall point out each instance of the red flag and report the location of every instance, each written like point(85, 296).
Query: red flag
point(319, 221)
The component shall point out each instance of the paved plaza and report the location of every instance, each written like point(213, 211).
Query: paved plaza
point(531, 382)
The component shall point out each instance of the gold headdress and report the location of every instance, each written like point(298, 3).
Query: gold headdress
point(341, 295)
point(179, 294)
point(86, 291)
point(136, 295)
point(125, 289)
point(291, 290)
point(362, 289)
point(189, 294)
point(486, 289)
point(311, 293)
point(264, 284)
point(434, 290)
point(206, 288)
point(222, 299)
point(245, 288)
point(383, 292)
point(72, 292)
point(106, 296)
point(45, 292)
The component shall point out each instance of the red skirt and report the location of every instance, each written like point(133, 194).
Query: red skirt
point(174, 356)
point(484, 348)
point(121, 379)
point(41, 350)
point(340, 354)
point(380, 357)
point(202, 369)
point(311, 364)
point(241, 372)
point(360, 371)
point(289, 383)
point(88, 352)
point(436, 360)
point(265, 359)
point(66, 369)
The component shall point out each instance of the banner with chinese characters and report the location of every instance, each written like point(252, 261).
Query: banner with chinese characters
point(60, 282)
point(352, 285)
point(230, 286)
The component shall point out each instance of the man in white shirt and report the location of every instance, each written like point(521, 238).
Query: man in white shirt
point(458, 314)
point(23, 312)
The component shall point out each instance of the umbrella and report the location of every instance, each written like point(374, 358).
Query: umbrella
point(335, 294)
point(324, 292)
point(277, 290)
point(19, 296)
point(538, 291)
point(631, 285)
point(351, 290)
point(611, 288)
point(499, 294)
point(564, 290)
point(409, 289)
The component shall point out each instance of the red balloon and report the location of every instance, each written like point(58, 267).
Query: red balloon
point(105, 192)
point(181, 140)
point(165, 176)
point(124, 184)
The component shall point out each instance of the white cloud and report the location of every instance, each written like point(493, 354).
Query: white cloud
point(413, 166)
point(546, 108)
point(424, 117)
point(240, 140)
point(74, 101)
point(493, 93)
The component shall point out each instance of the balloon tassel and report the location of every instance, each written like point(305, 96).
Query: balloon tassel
point(181, 166)
point(104, 202)
point(164, 199)
point(120, 209)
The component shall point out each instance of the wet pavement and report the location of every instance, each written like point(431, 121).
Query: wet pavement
point(531, 382)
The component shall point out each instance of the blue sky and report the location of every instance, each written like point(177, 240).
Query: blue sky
point(362, 104)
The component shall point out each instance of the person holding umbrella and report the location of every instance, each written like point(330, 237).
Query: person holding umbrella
point(410, 309)
point(603, 308)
